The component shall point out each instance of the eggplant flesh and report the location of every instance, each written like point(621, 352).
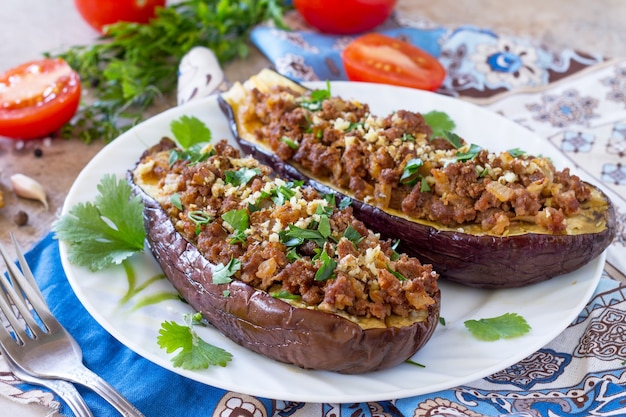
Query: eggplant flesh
point(305, 337)
point(462, 254)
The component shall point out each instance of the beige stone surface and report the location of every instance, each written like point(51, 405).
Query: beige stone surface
point(596, 27)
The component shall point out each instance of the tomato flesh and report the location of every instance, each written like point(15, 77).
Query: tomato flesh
point(344, 17)
point(99, 13)
point(37, 98)
point(382, 59)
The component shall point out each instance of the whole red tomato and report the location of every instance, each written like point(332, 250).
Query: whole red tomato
point(37, 98)
point(99, 13)
point(344, 17)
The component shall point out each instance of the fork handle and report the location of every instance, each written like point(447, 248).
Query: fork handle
point(84, 376)
point(68, 394)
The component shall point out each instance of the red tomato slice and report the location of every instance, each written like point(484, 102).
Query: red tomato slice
point(382, 59)
point(99, 13)
point(37, 98)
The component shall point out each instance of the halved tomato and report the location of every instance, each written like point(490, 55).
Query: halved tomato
point(37, 98)
point(382, 59)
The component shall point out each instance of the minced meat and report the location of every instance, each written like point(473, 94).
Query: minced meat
point(452, 183)
point(288, 240)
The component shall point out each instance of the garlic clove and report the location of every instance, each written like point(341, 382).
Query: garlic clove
point(27, 187)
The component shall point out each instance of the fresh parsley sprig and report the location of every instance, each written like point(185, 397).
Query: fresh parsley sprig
point(193, 352)
point(105, 231)
point(133, 65)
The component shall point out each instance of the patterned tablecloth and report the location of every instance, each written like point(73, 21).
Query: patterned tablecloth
point(576, 101)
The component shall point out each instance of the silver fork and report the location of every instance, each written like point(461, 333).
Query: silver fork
point(65, 390)
point(45, 351)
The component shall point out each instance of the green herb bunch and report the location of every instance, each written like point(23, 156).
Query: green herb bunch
point(133, 64)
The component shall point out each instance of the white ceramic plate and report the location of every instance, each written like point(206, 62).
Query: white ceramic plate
point(452, 357)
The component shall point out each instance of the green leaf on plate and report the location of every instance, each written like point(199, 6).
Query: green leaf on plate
point(502, 327)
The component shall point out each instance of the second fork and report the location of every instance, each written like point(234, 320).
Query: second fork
point(47, 351)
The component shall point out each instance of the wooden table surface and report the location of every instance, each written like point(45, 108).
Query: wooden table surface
point(34, 26)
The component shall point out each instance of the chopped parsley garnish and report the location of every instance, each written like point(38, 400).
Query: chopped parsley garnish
point(285, 295)
point(241, 176)
point(292, 255)
point(454, 139)
point(410, 175)
point(407, 137)
point(222, 273)
point(193, 155)
point(175, 200)
point(353, 235)
point(412, 362)
point(239, 220)
point(470, 154)
point(327, 269)
point(439, 122)
point(199, 218)
point(355, 126)
point(289, 142)
point(295, 236)
point(194, 353)
point(515, 152)
point(395, 255)
point(396, 273)
point(314, 101)
point(192, 134)
point(107, 231)
point(344, 203)
point(502, 327)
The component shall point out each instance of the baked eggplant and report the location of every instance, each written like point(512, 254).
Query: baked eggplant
point(481, 219)
point(279, 268)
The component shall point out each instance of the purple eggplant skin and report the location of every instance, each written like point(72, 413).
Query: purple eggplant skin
point(480, 261)
point(254, 319)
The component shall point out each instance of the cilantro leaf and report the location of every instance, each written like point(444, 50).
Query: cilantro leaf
point(295, 236)
point(222, 273)
point(515, 152)
point(104, 232)
point(353, 235)
point(454, 139)
point(502, 327)
point(194, 352)
point(316, 98)
point(239, 220)
point(471, 153)
point(327, 269)
point(410, 174)
point(241, 176)
point(439, 122)
point(189, 130)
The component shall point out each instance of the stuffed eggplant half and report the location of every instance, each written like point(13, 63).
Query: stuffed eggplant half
point(280, 268)
point(480, 218)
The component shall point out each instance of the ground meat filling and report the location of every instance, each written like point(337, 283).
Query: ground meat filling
point(341, 141)
point(294, 242)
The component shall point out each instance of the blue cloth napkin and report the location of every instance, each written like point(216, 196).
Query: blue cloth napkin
point(479, 62)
